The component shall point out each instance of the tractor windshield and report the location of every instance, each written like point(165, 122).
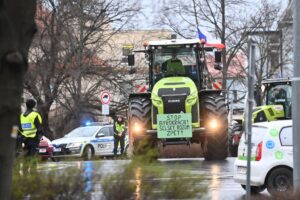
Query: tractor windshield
point(175, 62)
point(280, 95)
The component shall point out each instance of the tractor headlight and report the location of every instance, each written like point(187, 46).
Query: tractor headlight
point(213, 124)
point(137, 128)
point(192, 98)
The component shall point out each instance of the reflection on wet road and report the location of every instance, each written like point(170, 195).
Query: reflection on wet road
point(217, 175)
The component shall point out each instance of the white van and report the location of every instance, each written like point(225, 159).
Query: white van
point(271, 158)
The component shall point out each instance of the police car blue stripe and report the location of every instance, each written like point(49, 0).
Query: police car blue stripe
point(102, 140)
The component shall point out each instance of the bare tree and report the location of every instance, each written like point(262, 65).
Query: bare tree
point(17, 29)
point(68, 67)
point(269, 40)
point(226, 20)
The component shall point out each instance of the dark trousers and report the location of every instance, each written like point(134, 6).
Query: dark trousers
point(116, 144)
point(31, 145)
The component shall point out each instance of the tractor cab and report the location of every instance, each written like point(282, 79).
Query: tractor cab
point(168, 62)
point(279, 92)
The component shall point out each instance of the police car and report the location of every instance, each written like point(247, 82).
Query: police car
point(87, 142)
point(271, 158)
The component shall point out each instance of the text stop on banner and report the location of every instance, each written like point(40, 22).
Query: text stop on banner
point(174, 125)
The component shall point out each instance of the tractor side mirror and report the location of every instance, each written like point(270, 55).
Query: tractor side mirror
point(131, 59)
point(218, 60)
point(235, 97)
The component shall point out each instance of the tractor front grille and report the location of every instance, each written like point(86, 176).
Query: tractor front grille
point(174, 104)
point(174, 99)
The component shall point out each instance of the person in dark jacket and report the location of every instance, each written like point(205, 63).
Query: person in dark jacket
point(30, 128)
point(119, 134)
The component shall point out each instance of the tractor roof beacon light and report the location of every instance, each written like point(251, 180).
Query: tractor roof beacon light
point(145, 44)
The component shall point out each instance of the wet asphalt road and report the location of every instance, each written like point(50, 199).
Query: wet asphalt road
point(218, 175)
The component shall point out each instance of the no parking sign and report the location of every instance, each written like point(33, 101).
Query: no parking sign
point(105, 97)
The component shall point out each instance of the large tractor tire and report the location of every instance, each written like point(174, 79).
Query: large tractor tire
point(140, 112)
point(234, 131)
point(215, 141)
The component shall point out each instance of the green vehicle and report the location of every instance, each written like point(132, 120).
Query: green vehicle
point(278, 103)
point(180, 107)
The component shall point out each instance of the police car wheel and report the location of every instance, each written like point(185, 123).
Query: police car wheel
point(88, 153)
point(279, 181)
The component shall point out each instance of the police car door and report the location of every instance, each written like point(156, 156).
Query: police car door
point(104, 142)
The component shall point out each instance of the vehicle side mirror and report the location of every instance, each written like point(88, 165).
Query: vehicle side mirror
point(100, 135)
point(235, 97)
point(218, 60)
point(131, 59)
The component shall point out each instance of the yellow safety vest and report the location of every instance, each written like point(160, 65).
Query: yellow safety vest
point(120, 127)
point(175, 66)
point(28, 126)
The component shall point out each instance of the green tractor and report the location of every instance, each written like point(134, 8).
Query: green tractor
point(278, 102)
point(179, 107)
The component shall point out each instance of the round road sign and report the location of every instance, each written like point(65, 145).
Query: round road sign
point(105, 97)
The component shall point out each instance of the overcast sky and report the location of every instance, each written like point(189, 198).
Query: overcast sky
point(150, 11)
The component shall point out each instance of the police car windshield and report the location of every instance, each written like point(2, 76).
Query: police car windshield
point(87, 131)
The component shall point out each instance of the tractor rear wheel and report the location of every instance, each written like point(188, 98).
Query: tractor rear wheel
point(139, 112)
point(215, 142)
point(234, 131)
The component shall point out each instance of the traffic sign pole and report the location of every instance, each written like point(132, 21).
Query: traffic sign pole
point(248, 114)
point(105, 98)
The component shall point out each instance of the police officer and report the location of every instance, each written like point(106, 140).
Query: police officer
point(119, 134)
point(31, 128)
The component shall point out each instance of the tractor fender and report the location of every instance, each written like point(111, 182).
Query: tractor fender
point(210, 91)
point(146, 94)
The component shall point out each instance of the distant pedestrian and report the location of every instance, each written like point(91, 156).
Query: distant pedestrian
point(119, 134)
point(30, 128)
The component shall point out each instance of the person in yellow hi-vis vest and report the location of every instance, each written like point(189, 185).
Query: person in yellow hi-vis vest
point(173, 66)
point(30, 128)
point(119, 134)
